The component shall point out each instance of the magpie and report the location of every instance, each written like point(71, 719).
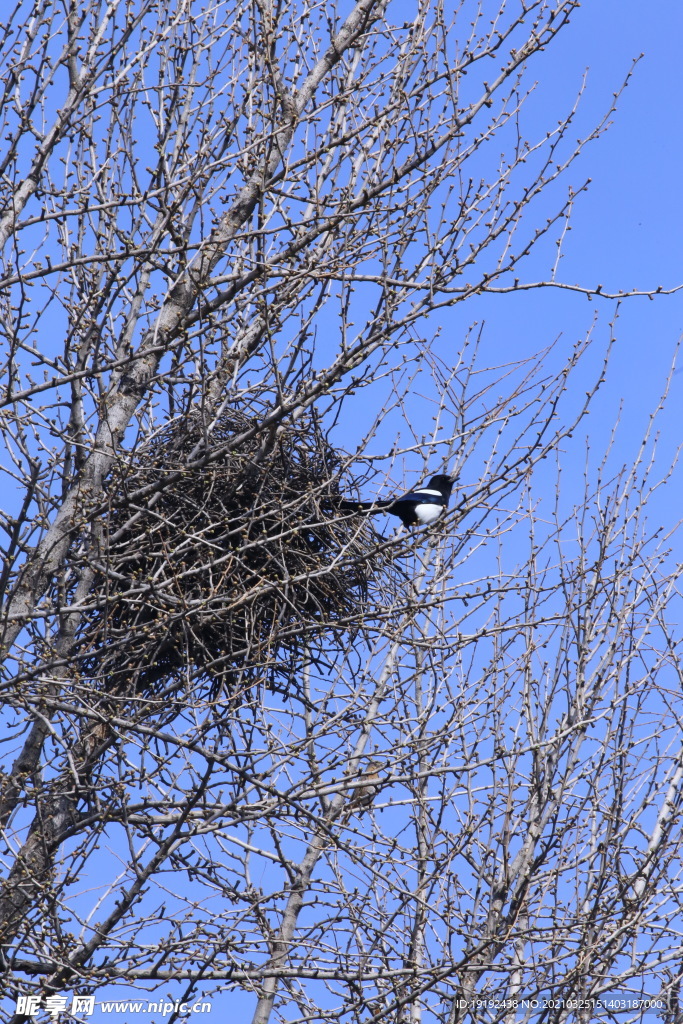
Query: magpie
point(420, 507)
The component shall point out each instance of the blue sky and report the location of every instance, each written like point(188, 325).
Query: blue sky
point(627, 229)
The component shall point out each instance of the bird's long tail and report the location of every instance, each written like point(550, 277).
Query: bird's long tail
point(367, 508)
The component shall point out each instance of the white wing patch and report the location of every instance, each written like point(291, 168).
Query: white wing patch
point(428, 513)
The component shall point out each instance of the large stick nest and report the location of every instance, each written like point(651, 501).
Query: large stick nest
point(224, 570)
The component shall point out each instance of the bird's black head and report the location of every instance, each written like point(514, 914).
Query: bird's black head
point(441, 483)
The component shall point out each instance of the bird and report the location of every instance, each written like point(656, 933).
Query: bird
point(370, 785)
point(420, 507)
